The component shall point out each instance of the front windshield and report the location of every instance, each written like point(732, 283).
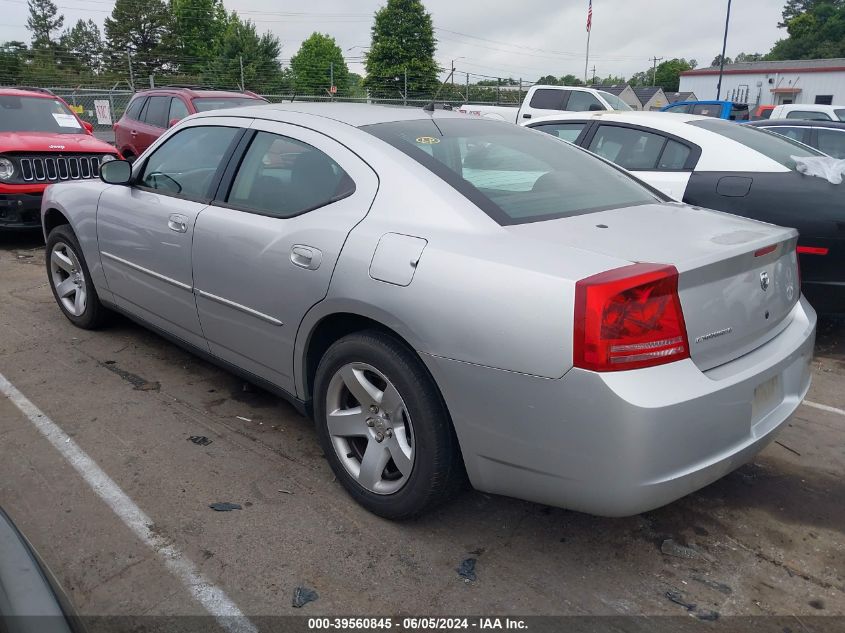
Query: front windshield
point(615, 102)
point(779, 148)
point(514, 174)
point(204, 104)
point(36, 114)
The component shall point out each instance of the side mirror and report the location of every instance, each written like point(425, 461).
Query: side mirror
point(595, 107)
point(173, 122)
point(88, 127)
point(116, 172)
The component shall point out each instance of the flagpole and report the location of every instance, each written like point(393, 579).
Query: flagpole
point(587, 60)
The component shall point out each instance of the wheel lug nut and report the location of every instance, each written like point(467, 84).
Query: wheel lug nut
point(379, 436)
point(370, 422)
point(373, 408)
point(388, 433)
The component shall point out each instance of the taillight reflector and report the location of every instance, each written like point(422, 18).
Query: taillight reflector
point(765, 251)
point(629, 318)
point(812, 250)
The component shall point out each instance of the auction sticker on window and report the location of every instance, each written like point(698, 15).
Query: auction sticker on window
point(66, 120)
point(428, 140)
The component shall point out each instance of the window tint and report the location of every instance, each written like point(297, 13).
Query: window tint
point(186, 163)
point(840, 114)
point(510, 173)
point(832, 142)
point(548, 99)
point(134, 109)
point(178, 110)
point(680, 109)
point(566, 131)
point(707, 109)
point(583, 102)
point(156, 111)
point(282, 177)
point(628, 148)
point(778, 148)
point(674, 156)
point(808, 116)
point(800, 134)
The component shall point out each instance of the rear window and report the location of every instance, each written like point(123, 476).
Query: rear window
point(36, 114)
point(204, 104)
point(511, 173)
point(615, 102)
point(779, 148)
point(548, 99)
point(807, 115)
point(739, 112)
point(840, 114)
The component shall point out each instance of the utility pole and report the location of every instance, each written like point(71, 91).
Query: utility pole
point(131, 74)
point(467, 87)
point(654, 69)
point(594, 74)
point(724, 48)
point(241, 60)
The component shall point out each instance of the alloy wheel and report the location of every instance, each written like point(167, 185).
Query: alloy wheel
point(68, 279)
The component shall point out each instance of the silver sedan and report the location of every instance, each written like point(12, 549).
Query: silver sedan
point(449, 297)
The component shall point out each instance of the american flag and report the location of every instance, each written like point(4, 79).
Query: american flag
point(590, 16)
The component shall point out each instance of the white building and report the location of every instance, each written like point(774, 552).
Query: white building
point(772, 83)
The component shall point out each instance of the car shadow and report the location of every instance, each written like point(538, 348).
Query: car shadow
point(21, 240)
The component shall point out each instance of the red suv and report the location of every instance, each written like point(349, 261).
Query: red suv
point(152, 111)
point(41, 142)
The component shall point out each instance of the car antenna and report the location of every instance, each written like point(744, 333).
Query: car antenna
point(429, 107)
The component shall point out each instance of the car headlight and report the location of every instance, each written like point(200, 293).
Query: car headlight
point(107, 158)
point(7, 168)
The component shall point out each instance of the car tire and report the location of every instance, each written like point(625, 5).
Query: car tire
point(70, 280)
point(418, 461)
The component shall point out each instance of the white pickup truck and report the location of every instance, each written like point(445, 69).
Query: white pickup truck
point(545, 100)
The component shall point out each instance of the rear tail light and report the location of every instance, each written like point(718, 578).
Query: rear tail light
point(629, 318)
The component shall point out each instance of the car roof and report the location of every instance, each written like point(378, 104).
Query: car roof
point(661, 120)
point(811, 107)
point(194, 92)
point(23, 92)
point(796, 123)
point(354, 114)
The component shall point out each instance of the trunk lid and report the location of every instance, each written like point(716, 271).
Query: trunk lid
point(738, 278)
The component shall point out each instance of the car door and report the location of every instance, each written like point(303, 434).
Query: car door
point(545, 101)
point(265, 250)
point(664, 163)
point(145, 230)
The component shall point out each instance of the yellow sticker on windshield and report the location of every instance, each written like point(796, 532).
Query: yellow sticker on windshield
point(428, 140)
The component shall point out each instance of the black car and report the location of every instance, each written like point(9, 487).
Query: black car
point(825, 136)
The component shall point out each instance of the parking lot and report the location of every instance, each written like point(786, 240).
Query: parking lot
point(768, 539)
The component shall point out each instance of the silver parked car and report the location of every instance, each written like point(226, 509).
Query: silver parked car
point(450, 296)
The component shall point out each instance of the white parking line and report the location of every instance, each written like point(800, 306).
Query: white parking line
point(824, 407)
point(215, 601)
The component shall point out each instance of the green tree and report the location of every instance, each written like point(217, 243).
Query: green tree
point(402, 42)
point(548, 80)
point(83, 46)
point(571, 80)
point(44, 18)
point(816, 29)
point(315, 63)
point(12, 60)
point(195, 29)
point(668, 74)
point(718, 60)
point(748, 57)
point(138, 29)
point(240, 41)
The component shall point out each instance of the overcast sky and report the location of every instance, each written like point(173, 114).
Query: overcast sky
point(520, 38)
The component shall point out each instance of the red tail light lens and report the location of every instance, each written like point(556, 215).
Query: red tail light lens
point(629, 318)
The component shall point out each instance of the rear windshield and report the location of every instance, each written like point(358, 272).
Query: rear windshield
point(779, 148)
point(36, 114)
point(513, 174)
point(204, 104)
point(840, 114)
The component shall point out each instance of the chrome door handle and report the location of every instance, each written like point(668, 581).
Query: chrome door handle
point(306, 257)
point(178, 223)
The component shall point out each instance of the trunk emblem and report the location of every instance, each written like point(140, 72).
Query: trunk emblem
point(764, 280)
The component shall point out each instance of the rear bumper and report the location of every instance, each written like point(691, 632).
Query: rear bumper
point(20, 210)
point(621, 443)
